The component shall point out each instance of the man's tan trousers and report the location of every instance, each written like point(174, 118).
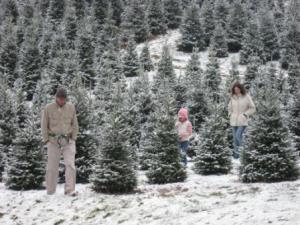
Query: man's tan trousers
point(54, 154)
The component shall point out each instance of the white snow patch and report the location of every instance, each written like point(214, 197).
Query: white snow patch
point(214, 200)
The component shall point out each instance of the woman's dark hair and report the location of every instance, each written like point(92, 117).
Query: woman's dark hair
point(240, 86)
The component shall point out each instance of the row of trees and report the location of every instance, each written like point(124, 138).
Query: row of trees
point(59, 39)
point(125, 128)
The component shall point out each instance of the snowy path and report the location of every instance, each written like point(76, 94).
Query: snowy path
point(215, 200)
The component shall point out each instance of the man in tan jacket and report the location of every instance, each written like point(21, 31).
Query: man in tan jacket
point(59, 130)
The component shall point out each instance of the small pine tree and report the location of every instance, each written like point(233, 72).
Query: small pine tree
point(156, 18)
point(268, 155)
point(134, 22)
point(212, 78)
point(213, 155)
point(173, 11)
point(70, 26)
point(295, 119)
point(252, 44)
point(130, 60)
point(290, 43)
point(11, 11)
point(79, 8)
point(56, 11)
point(234, 75)
point(100, 11)
point(9, 53)
point(193, 71)
point(145, 59)
point(252, 71)
point(218, 43)
point(269, 37)
point(181, 93)
point(221, 11)
point(6, 122)
point(191, 30)
point(236, 26)
point(165, 72)
point(165, 166)
point(206, 13)
point(30, 61)
point(85, 51)
point(25, 168)
point(113, 171)
point(198, 105)
point(86, 145)
point(293, 74)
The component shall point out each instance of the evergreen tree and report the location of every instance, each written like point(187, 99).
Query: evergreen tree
point(147, 151)
point(290, 44)
point(100, 11)
point(165, 166)
point(219, 44)
point(85, 50)
point(165, 76)
point(213, 156)
point(198, 105)
point(294, 75)
point(212, 78)
point(117, 6)
point(44, 7)
point(251, 43)
point(207, 11)
point(197, 101)
point(234, 75)
point(191, 30)
point(113, 171)
point(221, 11)
point(181, 93)
point(130, 60)
point(156, 18)
point(25, 168)
point(86, 145)
point(252, 71)
point(109, 71)
point(70, 26)
point(295, 119)
point(79, 8)
point(25, 160)
point(193, 71)
point(56, 10)
point(268, 155)
point(6, 122)
point(236, 26)
point(134, 22)
point(145, 59)
point(11, 11)
point(269, 37)
point(9, 53)
point(173, 11)
point(30, 61)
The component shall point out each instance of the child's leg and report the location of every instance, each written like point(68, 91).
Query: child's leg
point(184, 147)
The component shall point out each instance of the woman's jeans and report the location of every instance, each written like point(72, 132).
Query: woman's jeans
point(238, 132)
point(183, 146)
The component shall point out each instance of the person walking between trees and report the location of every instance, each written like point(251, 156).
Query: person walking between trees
point(59, 129)
point(240, 108)
point(184, 129)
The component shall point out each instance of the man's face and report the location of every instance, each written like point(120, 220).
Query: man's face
point(61, 101)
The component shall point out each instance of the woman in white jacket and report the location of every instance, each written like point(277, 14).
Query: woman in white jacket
point(240, 108)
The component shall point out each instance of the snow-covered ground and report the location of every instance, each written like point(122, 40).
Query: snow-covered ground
point(217, 200)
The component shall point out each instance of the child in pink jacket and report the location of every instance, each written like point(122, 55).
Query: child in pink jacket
point(184, 129)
